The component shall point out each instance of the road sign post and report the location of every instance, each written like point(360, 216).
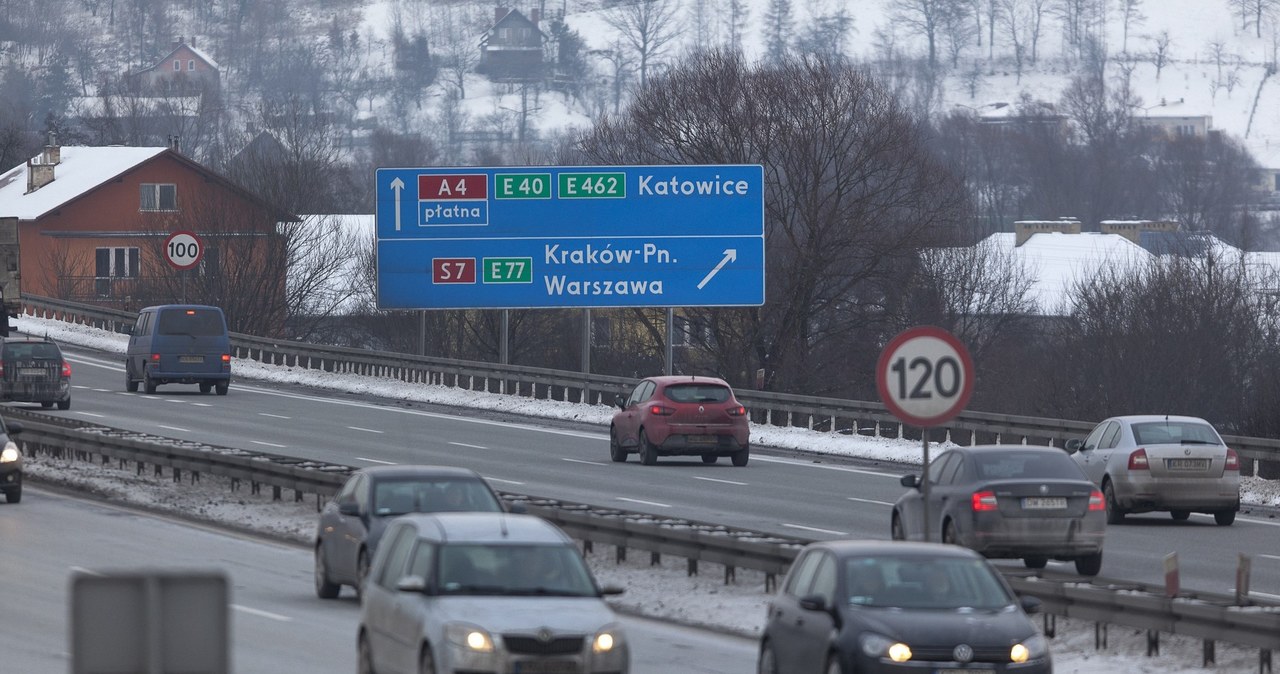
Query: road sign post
point(570, 237)
point(183, 250)
point(925, 378)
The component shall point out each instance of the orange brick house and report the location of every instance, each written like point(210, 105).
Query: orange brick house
point(93, 223)
point(183, 70)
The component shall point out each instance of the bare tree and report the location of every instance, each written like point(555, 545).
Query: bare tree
point(1160, 50)
point(455, 28)
point(926, 18)
point(648, 28)
point(959, 33)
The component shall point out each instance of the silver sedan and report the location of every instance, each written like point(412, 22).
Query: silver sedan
point(1147, 463)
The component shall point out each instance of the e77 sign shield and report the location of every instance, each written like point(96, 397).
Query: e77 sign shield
point(582, 236)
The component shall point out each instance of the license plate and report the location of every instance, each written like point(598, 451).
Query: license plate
point(190, 359)
point(1186, 464)
point(985, 670)
point(546, 667)
point(31, 371)
point(702, 439)
point(1043, 503)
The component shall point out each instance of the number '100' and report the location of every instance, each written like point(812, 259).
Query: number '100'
point(944, 377)
point(179, 250)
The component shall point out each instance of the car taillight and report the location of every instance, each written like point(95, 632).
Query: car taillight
point(1233, 460)
point(66, 369)
point(1096, 501)
point(660, 411)
point(737, 411)
point(984, 500)
point(1138, 460)
point(226, 358)
point(155, 358)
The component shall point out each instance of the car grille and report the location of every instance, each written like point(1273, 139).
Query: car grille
point(527, 645)
point(946, 654)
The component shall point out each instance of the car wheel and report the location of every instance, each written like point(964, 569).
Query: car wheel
point(648, 453)
point(896, 531)
point(324, 588)
point(709, 458)
point(148, 385)
point(616, 452)
point(64, 404)
point(46, 404)
point(1115, 514)
point(130, 384)
point(949, 533)
point(205, 387)
point(741, 457)
point(362, 571)
point(1035, 562)
point(426, 662)
point(1224, 517)
point(833, 664)
point(768, 662)
point(14, 495)
point(1089, 565)
point(1180, 515)
point(364, 655)
point(221, 389)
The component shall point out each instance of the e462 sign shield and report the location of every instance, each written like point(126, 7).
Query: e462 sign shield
point(925, 376)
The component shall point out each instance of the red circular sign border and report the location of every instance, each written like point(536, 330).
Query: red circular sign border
point(882, 384)
point(199, 256)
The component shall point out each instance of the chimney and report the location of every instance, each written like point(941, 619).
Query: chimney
point(1024, 229)
point(53, 151)
point(40, 169)
point(534, 15)
point(173, 142)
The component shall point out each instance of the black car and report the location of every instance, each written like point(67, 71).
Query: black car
point(892, 606)
point(352, 523)
point(32, 370)
point(10, 462)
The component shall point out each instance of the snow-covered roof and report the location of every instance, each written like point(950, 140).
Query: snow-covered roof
point(1056, 262)
point(79, 171)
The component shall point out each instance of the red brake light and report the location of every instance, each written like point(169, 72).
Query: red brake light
point(1138, 459)
point(1096, 501)
point(155, 357)
point(66, 369)
point(661, 411)
point(1233, 460)
point(226, 358)
point(737, 411)
point(984, 500)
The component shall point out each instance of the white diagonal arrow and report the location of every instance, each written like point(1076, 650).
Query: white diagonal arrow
point(397, 185)
point(730, 255)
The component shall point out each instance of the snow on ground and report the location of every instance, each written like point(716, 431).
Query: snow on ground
point(663, 591)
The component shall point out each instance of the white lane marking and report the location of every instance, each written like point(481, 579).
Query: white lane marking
point(366, 430)
point(175, 428)
point(821, 531)
point(869, 500)
point(261, 613)
point(1267, 557)
point(1250, 520)
point(589, 463)
point(498, 479)
point(92, 414)
point(268, 444)
point(636, 500)
point(387, 463)
point(824, 466)
point(273, 416)
point(87, 572)
point(174, 400)
point(202, 404)
point(1255, 593)
point(712, 479)
point(463, 444)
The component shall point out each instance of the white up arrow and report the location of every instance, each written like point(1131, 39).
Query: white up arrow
point(397, 185)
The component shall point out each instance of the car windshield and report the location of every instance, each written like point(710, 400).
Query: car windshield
point(32, 351)
point(522, 570)
point(914, 582)
point(697, 393)
point(1035, 465)
point(194, 322)
point(1174, 432)
point(397, 497)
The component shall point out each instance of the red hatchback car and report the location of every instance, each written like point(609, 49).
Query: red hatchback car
point(680, 415)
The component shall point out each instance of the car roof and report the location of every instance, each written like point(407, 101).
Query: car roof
point(410, 470)
point(477, 527)
point(668, 380)
point(997, 449)
point(1143, 418)
point(29, 339)
point(180, 306)
point(861, 547)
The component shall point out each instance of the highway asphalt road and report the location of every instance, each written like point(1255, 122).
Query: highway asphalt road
point(785, 492)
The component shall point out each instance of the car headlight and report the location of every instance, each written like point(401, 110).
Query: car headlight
point(876, 646)
point(10, 453)
point(606, 640)
point(469, 637)
point(1033, 648)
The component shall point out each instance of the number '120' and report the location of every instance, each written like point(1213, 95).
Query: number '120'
point(944, 377)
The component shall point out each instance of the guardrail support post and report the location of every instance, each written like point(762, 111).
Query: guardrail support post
point(1153, 643)
point(770, 582)
point(1210, 653)
point(177, 475)
point(730, 575)
point(1264, 661)
point(655, 558)
point(692, 566)
point(619, 554)
point(1099, 636)
point(1050, 625)
point(275, 492)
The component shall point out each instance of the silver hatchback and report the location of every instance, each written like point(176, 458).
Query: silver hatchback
point(1145, 463)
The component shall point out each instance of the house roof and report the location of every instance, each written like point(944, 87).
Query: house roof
point(165, 59)
point(516, 13)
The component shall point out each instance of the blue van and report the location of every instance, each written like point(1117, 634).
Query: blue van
point(179, 344)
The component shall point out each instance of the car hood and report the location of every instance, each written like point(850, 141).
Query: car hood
point(577, 615)
point(919, 627)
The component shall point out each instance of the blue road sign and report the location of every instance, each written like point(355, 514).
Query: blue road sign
point(582, 236)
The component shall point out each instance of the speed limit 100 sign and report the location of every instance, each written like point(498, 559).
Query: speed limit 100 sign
point(925, 376)
point(183, 250)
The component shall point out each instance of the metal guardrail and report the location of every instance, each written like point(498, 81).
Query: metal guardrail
point(1204, 616)
point(781, 409)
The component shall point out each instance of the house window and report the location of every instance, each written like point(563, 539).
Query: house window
point(1186, 129)
point(177, 65)
point(687, 333)
point(209, 263)
point(601, 331)
point(159, 197)
point(111, 264)
point(191, 64)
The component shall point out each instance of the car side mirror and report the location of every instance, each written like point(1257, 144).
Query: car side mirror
point(14, 427)
point(612, 590)
point(1031, 605)
point(348, 508)
point(517, 507)
point(412, 584)
point(813, 602)
point(910, 481)
point(620, 401)
point(1074, 445)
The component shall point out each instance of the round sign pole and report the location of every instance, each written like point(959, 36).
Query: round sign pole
point(925, 378)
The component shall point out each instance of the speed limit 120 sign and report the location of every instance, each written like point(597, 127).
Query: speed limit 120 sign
point(182, 250)
point(925, 376)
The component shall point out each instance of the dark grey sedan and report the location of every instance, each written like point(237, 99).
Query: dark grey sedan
point(1014, 501)
point(352, 523)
